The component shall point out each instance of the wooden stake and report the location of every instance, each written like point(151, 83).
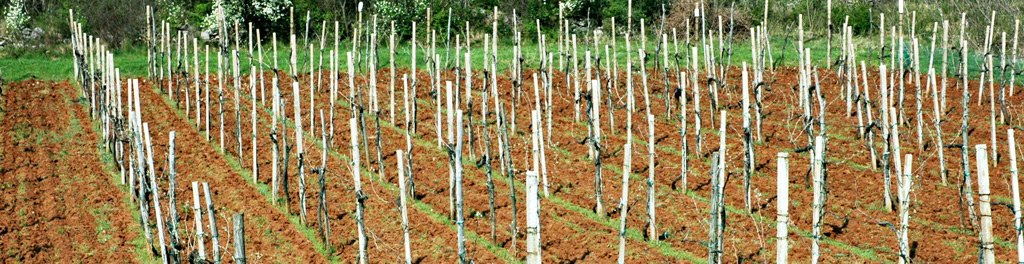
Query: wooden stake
point(172, 209)
point(595, 122)
point(459, 220)
point(198, 216)
point(533, 244)
point(239, 235)
point(1015, 185)
point(450, 144)
point(391, 84)
point(275, 148)
point(817, 206)
point(938, 128)
point(156, 194)
point(354, 132)
point(405, 216)
point(212, 214)
point(782, 219)
point(624, 201)
point(748, 147)
point(299, 152)
point(905, 186)
point(252, 97)
point(987, 246)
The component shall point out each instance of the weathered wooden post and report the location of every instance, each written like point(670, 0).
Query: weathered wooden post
point(1016, 194)
point(239, 228)
point(782, 219)
point(405, 216)
point(459, 220)
point(575, 77)
point(212, 214)
point(322, 216)
point(685, 156)
point(449, 144)
point(206, 89)
point(624, 201)
point(275, 148)
point(172, 209)
point(156, 194)
point(533, 253)
point(985, 206)
point(354, 132)
point(220, 97)
point(391, 58)
point(817, 206)
point(748, 147)
point(651, 223)
point(595, 122)
point(252, 112)
point(904, 190)
point(198, 212)
point(938, 127)
point(299, 152)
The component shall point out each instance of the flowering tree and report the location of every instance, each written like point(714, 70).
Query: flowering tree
point(14, 15)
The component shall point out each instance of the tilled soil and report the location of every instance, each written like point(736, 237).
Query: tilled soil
point(270, 236)
point(856, 228)
point(59, 202)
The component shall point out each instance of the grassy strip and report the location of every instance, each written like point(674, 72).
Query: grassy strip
point(132, 60)
point(140, 246)
point(263, 189)
point(497, 250)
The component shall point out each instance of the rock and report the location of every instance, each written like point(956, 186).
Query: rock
point(32, 33)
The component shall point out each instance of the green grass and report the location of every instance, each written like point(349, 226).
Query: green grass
point(132, 60)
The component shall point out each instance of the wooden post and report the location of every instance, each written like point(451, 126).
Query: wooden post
point(595, 122)
point(276, 149)
point(782, 219)
point(220, 97)
point(624, 201)
point(992, 109)
point(575, 77)
point(299, 152)
point(968, 192)
point(945, 55)
point(685, 156)
point(987, 246)
point(206, 88)
point(696, 100)
point(239, 228)
point(533, 253)
point(354, 132)
point(212, 214)
point(391, 58)
point(156, 194)
point(938, 127)
point(449, 145)
point(409, 127)
point(263, 84)
point(405, 216)
point(195, 72)
point(252, 97)
point(1012, 144)
point(322, 216)
point(172, 209)
point(748, 147)
point(817, 206)
point(905, 186)
point(198, 212)
point(652, 233)
point(459, 220)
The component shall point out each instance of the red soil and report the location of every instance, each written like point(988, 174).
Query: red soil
point(59, 203)
point(852, 223)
